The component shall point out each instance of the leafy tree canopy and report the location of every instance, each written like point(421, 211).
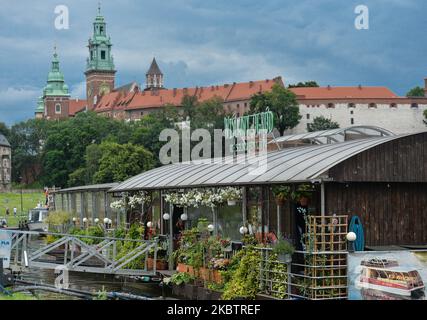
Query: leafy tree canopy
point(322, 123)
point(416, 92)
point(304, 84)
point(119, 162)
point(282, 102)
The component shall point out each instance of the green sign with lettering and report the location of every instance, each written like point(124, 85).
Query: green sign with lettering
point(247, 128)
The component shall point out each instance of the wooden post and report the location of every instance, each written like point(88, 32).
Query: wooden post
point(244, 206)
point(170, 237)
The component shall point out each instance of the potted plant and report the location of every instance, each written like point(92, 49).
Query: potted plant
point(302, 194)
point(284, 250)
point(281, 194)
point(231, 195)
point(179, 281)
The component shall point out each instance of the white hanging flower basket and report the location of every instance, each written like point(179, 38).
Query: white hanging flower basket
point(231, 202)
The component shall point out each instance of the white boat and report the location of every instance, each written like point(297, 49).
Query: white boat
point(387, 276)
point(37, 219)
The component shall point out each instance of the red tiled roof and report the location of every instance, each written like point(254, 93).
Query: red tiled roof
point(359, 92)
point(158, 98)
point(76, 105)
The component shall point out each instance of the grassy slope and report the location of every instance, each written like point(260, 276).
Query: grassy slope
point(17, 296)
point(11, 200)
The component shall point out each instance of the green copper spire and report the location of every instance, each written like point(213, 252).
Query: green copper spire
point(40, 105)
point(100, 57)
point(55, 80)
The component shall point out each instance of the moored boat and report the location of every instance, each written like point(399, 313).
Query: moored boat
point(387, 276)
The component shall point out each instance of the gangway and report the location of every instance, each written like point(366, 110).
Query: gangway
point(72, 253)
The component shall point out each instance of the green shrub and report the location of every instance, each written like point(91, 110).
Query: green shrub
point(244, 281)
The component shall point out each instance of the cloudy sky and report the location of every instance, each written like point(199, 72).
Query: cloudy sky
point(203, 42)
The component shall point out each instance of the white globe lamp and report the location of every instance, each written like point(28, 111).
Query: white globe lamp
point(106, 220)
point(166, 216)
point(351, 236)
point(96, 220)
point(184, 217)
point(149, 224)
point(211, 227)
point(85, 220)
point(243, 230)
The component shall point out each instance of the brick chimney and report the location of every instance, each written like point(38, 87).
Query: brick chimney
point(174, 92)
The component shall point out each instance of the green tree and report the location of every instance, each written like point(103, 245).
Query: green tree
point(4, 130)
point(189, 105)
point(304, 84)
point(146, 132)
point(122, 161)
point(209, 115)
point(425, 116)
point(27, 140)
point(322, 123)
point(416, 92)
point(282, 102)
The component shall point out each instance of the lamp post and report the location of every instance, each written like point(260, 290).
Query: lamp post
point(351, 237)
point(22, 200)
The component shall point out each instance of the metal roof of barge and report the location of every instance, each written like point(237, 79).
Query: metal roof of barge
point(335, 135)
point(91, 188)
point(291, 165)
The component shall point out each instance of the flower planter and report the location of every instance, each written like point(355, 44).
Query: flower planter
point(280, 202)
point(231, 202)
point(203, 294)
point(178, 291)
point(191, 291)
point(303, 201)
point(160, 264)
point(284, 257)
point(203, 274)
point(216, 276)
point(216, 295)
point(182, 267)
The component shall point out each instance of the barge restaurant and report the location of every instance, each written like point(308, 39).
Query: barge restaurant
point(382, 180)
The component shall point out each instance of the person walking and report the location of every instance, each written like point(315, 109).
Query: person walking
point(15, 211)
point(7, 211)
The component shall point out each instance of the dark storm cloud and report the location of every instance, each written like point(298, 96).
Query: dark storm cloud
point(208, 42)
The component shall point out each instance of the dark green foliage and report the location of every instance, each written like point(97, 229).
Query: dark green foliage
point(416, 92)
point(322, 123)
point(304, 84)
point(282, 102)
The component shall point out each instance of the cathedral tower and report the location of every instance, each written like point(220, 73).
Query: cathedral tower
point(154, 77)
point(100, 73)
point(56, 96)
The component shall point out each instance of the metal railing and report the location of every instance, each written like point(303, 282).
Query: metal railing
point(75, 253)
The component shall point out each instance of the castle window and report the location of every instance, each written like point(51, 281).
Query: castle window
point(308, 116)
point(414, 105)
point(372, 106)
point(393, 105)
point(331, 105)
point(58, 108)
point(103, 54)
point(352, 105)
point(101, 29)
point(352, 120)
point(351, 112)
